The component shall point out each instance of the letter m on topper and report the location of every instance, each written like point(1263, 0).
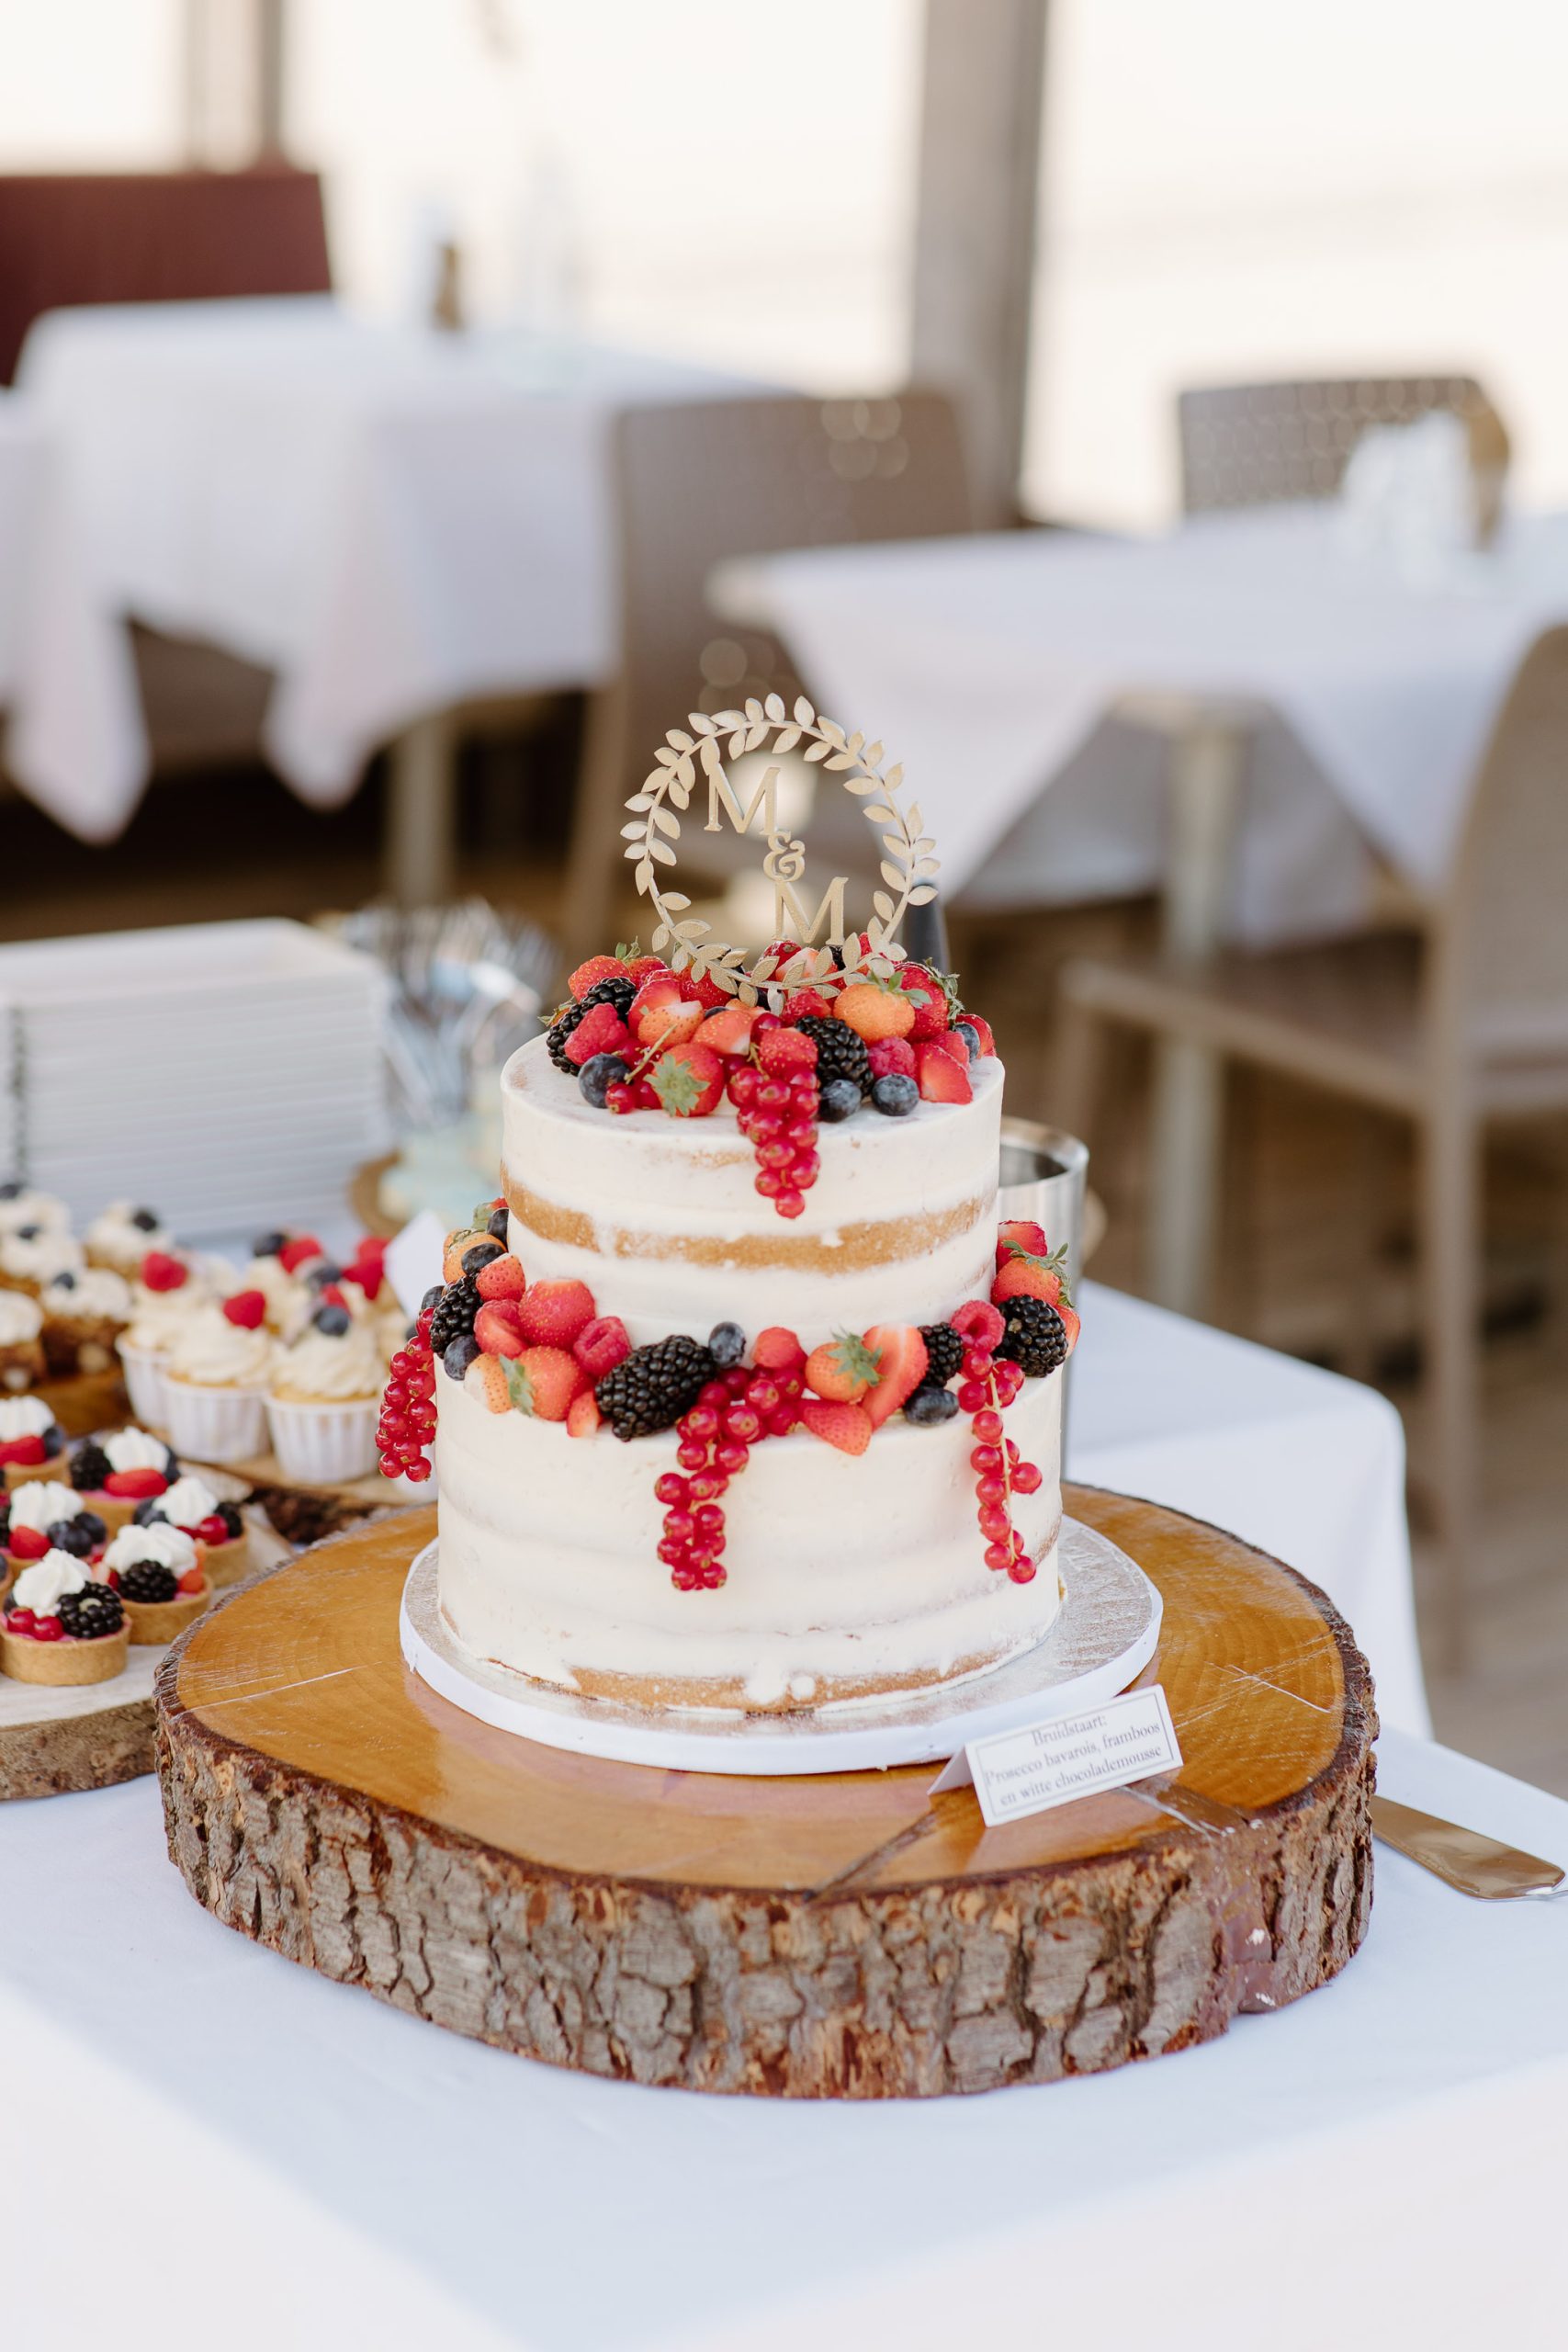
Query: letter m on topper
point(721, 796)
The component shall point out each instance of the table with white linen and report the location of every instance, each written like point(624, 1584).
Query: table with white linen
point(349, 2174)
point(393, 519)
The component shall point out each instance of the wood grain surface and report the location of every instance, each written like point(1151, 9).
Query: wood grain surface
point(841, 1934)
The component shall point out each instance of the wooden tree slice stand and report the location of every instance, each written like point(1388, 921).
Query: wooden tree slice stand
point(840, 1936)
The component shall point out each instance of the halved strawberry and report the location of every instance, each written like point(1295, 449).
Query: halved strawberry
point(597, 968)
point(849, 1427)
point(983, 1030)
point(941, 1079)
point(582, 1415)
point(24, 1452)
point(1019, 1233)
point(841, 1369)
point(27, 1542)
point(1070, 1325)
point(952, 1044)
point(807, 1004)
point(728, 1031)
point(664, 1012)
point(497, 1327)
point(544, 1381)
point(135, 1486)
point(600, 1031)
point(901, 1366)
point(600, 1345)
point(193, 1581)
point(776, 1349)
point(502, 1278)
point(552, 1314)
point(486, 1379)
point(930, 1001)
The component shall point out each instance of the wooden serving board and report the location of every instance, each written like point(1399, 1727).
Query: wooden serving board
point(827, 1937)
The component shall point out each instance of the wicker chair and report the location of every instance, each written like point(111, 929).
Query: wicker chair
point(696, 483)
point(1465, 1024)
point(1254, 444)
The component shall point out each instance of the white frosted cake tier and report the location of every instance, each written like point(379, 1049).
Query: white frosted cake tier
point(849, 1575)
point(661, 1218)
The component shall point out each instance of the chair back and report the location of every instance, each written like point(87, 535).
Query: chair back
point(1256, 445)
point(68, 238)
point(1504, 941)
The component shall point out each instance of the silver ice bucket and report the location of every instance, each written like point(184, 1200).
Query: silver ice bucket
point(1043, 1177)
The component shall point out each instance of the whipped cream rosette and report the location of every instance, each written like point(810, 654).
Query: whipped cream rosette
point(32, 1443)
point(191, 1505)
point(324, 1399)
point(33, 1256)
point(85, 1311)
point(21, 1205)
point(22, 1361)
point(62, 1625)
point(170, 1288)
point(121, 1234)
point(214, 1380)
point(160, 1575)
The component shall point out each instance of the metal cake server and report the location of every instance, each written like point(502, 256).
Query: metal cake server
point(1462, 1859)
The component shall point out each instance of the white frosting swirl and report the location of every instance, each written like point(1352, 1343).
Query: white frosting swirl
point(21, 1319)
point(113, 1239)
point(43, 1584)
point(165, 1546)
point(212, 1352)
point(322, 1369)
point(288, 1300)
point(34, 1208)
point(94, 1292)
point(38, 1502)
point(133, 1449)
point(40, 1258)
point(187, 1502)
point(24, 1416)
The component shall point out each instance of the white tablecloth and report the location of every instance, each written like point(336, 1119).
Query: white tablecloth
point(392, 519)
point(74, 737)
point(988, 665)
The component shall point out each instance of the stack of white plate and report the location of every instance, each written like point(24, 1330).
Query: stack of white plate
point(222, 1074)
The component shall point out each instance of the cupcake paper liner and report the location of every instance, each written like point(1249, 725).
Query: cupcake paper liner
point(324, 1445)
point(214, 1424)
point(143, 1369)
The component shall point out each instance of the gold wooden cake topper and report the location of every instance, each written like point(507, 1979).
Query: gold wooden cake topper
point(906, 863)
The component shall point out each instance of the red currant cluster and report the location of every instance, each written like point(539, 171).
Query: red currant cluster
point(986, 1390)
point(776, 1107)
point(408, 1408)
point(731, 1415)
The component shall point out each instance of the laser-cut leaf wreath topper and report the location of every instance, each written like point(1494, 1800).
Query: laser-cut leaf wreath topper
point(906, 863)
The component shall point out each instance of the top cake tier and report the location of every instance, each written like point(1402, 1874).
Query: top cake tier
point(661, 1215)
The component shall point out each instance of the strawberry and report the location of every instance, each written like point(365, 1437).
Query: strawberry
point(983, 1030)
point(1025, 1275)
point(900, 1367)
point(544, 1381)
point(600, 1032)
point(784, 1050)
point(847, 1427)
point(708, 993)
point(299, 1253)
point(647, 967)
point(247, 1309)
point(159, 1271)
point(688, 1079)
point(497, 1327)
point(552, 1314)
point(24, 1452)
point(841, 1369)
point(780, 950)
point(1019, 1233)
point(941, 1079)
point(375, 1245)
point(728, 1031)
point(952, 1045)
point(582, 1415)
point(979, 1322)
point(776, 1349)
point(663, 1013)
point(597, 968)
point(502, 1278)
point(930, 999)
point(892, 1057)
point(872, 1011)
point(367, 1277)
point(135, 1486)
point(193, 1581)
point(1069, 1315)
point(27, 1542)
point(486, 1379)
point(600, 1345)
point(807, 1004)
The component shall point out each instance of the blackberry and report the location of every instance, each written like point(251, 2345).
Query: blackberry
point(5, 1522)
point(930, 1405)
point(944, 1354)
point(88, 1615)
point(650, 1390)
point(614, 991)
point(1034, 1336)
point(148, 1580)
point(460, 1302)
point(231, 1521)
point(90, 1465)
point(840, 1052)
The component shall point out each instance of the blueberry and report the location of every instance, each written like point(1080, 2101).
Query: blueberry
point(927, 1406)
point(497, 1225)
point(598, 1074)
point(431, 1298)
point(896, 1094)
point(726, 1344)
point(839, 1099)
point(460, 1353)
point(323, 1272)
point(11, 1190)
point(231, 1521)
point(481, 1255)
point(97, 1528)
point(147, 1513)
point(144, 1220)
point(333, 1320)
point(70, 1535)
point(268, 1245)
point(27, 1232)
point(971, 1037)
point(64, 1282)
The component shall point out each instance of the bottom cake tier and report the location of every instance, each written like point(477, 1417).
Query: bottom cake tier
point(849, 1578)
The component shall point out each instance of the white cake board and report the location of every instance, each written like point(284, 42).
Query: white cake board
point(1104, 1635)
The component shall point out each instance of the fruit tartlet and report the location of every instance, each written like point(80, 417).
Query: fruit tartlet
point(32, 1443)
point(169, 1289)
point(62, 1626)
point(191, 1505)
point(114, 1472)
point(120, 1237)
point(33, 1256)
point(48, 1516)
point(325, 1399)
point(216, 1378)
point(158, 1573)
point(84, 1315)
point(22, 1360)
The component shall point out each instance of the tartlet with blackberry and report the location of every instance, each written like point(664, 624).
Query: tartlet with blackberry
point(157, 1572)
point(62, 1627)
point(216, 1526)
point(45, 1516)
point(114, 1473)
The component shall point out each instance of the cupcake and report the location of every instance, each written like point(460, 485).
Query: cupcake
point(215, 1381)
point(278, 1266)
point(325, 1400)
point(120, 1238)
point(62, 1627)
point(19, 1204)
point(113, 1473)
point(84, 1315)
point(48, 1517)
point(32, 1443)
point(21, 1343)
point(33, 1256)
point(158, 1574)
point(217, 1527)
point(168, 1291)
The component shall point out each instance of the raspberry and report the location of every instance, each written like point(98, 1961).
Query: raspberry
point(600, 1345)
point(776, 1349)
point(600, 1032)
point(159, 1271)
point(978, 1323)
point(299, 1253)
point(891, 1058)
point(247, 1308)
